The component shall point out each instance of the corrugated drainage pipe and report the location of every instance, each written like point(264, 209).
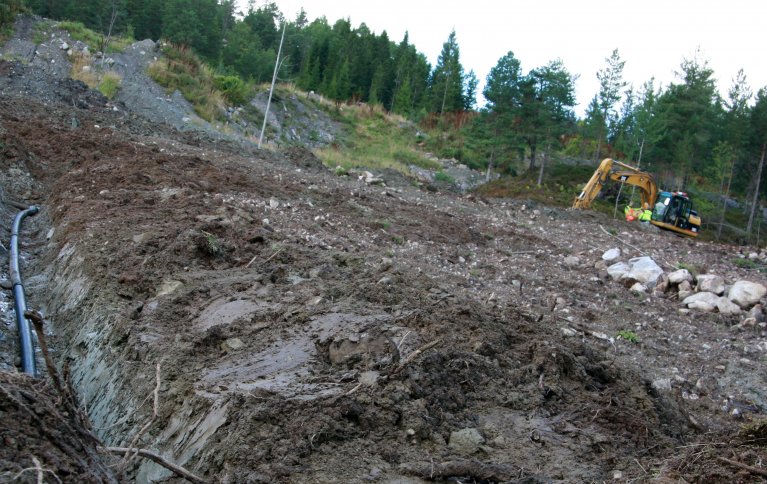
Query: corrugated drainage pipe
point(19, 300)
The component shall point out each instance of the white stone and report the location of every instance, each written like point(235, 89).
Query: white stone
point(639, 287)
point(232, 344)
point(711, 283)
point(617, 271)
point(662, 384)
point(704, 301)
point(677, 277)
point(642, 269)
point(611, 255)
point(745, 294)
point(725, 306)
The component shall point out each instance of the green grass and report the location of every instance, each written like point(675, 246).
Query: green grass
point(109, 84)
point(95, 40)
point(443, 177)
point(382, 223)
point(41, 32)
point(629, 336)
point(182, 70)
point(377, 141)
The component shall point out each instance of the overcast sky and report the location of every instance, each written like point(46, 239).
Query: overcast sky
point(652, 36)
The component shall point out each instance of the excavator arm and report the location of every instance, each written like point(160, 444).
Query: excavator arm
point(631, 175)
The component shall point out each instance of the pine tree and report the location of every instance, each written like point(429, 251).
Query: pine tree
point(610, 86)
point(447, 80)
point(691, 111)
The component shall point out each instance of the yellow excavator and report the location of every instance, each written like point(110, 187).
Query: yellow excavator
point(670, 210)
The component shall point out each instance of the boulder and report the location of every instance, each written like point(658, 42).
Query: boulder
point(745, 293)
point(685, 290)
point(677, 277)
point(725, 306)
point(617, 271)
point(644, 270)
point(711, 283)
point(756, 312)
point(704, 301)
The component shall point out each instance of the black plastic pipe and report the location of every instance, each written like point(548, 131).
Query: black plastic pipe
point(19, 300)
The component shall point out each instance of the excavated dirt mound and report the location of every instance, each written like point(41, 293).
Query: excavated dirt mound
point(312, 328)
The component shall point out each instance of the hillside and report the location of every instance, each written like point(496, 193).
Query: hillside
point(253, 316)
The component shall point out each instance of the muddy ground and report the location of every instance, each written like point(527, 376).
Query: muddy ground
point(311, 328)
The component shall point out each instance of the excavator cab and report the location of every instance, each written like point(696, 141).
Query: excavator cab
point(674, 211)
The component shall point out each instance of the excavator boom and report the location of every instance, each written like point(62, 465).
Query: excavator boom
point(629, 174)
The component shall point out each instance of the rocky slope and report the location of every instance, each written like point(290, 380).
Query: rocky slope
point(296, 326)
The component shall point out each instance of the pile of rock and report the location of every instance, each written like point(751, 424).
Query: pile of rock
point(703, 292)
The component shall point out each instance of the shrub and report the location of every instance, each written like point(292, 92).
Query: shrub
point(109, 84)
point(443, 177)
point(629, 336)
point(745, 263)
point(234, 89)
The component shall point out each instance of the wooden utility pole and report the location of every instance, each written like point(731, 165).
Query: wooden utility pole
point(724, 201)
point(271, 89)
point(755, 202)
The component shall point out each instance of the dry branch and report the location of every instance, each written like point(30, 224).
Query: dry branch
point(267, 260)
point(412, 356)
point(38, 468)
point(155, 411)
point(753, 470)
point(180, 471)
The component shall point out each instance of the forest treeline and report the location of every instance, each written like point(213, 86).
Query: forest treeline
point(687, 132)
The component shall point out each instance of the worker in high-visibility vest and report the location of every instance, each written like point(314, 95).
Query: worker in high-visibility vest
point(631, 215)
point(645, 216)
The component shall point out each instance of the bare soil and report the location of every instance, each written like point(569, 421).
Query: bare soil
point(312, 328)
